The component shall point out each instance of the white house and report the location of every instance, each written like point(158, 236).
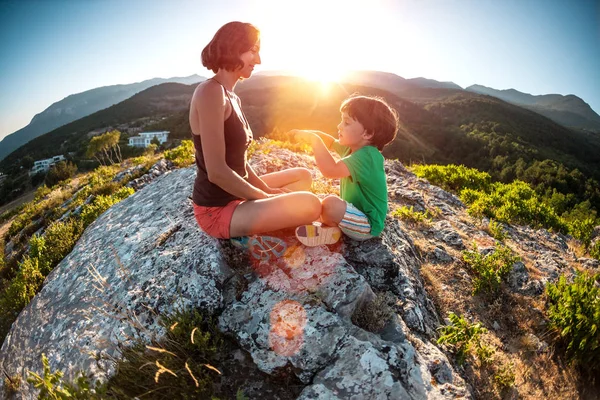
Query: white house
point(146, 137)
point(44, 165)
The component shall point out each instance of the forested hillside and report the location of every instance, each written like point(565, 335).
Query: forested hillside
point(438, 125)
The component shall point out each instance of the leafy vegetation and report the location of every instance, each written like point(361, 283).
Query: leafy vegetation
point(59, 238)
point(513, 203)
point(183, 155)
point(489, 269)
point(409, 214)
point(464, 337)
point(184, 364)
point(105, 148)
point(574, 313)
point(52, 387)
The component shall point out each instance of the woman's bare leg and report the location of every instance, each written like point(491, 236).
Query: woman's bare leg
point(294, 179)
point(266, 215)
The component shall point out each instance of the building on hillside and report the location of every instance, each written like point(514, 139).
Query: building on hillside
point(2, 178)
point(145, 138)
point(44, 165)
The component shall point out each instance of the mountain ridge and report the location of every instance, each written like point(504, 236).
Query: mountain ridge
point(568, 110)
point(79, 105)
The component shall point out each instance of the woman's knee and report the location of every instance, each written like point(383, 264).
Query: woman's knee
point(312, 205)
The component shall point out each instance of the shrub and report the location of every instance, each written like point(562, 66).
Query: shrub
point(581, 229)
point(497, 230)
point(453, 177)
point(489, 269)
point(504, 377)
point(183, 155)
point(373, 315)
point(52, 386)
point(60, 238)
point(92, 211)
point(461, 336)
point(595, 250)
point(409, 214)
point(41, 192)
point(574, 312)
point(61, 171)
point(181, 365)
point(516, 202)
point(20, 291)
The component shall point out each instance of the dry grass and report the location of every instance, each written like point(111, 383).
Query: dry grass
point(512, 320)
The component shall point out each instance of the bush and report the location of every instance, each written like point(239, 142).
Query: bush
point(183, 155)
point(91, 211)
point(19, 292)
point(409, 214)
point(373, 315)
point(181, 365)
point(516, 202)
point(497, 230)
point(59, 172)
point(52, 387)
point(461, 336)
point(574, 312)
point(595, 250)
point(489, 269)
point(41, 192)
point(453, 177)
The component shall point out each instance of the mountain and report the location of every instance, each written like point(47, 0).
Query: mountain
point(570, 110)
point(154, 102)
point(79, 105)
point(430, 83)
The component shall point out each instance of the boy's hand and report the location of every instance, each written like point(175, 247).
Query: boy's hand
point(302, 135)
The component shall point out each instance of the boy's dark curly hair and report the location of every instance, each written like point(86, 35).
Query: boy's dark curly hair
point(375, 115)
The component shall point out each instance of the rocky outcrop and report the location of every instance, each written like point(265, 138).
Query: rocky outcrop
point(146, 256)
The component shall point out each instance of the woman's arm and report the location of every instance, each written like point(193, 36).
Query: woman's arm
point(209, 105)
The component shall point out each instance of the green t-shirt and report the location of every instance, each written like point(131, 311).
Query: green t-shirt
point(366, 187)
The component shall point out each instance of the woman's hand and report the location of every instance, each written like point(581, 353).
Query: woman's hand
point(272, 192)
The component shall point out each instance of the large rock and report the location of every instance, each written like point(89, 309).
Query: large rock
point(145, 256)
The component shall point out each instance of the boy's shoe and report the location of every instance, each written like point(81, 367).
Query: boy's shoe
point(262, 248)
point(312, 235)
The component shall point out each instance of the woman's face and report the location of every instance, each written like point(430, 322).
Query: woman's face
point(250, 59)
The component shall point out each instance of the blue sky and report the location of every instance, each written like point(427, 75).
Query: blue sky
point(50, 49)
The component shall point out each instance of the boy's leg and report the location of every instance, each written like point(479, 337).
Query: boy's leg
point(333, 211)
point(294, 179)
point(266, 215)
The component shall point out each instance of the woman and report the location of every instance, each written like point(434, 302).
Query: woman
point(230, 199)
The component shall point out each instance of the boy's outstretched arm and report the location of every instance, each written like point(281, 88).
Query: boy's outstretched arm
point(320, 142)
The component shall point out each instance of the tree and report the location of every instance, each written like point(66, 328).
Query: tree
point(59, 172)
point(104, 147)
point(27, 162)
point(155, 141)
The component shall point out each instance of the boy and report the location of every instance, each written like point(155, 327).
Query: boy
point(368, 125)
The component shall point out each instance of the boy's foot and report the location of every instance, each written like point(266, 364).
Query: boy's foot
point(312, 235)
point(262, 248)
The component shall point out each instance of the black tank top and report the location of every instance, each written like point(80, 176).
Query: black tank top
point(238, 136)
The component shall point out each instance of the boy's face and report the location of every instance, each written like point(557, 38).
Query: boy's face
point(351, 133)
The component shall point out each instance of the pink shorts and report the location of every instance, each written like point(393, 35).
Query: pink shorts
point(216, 220)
